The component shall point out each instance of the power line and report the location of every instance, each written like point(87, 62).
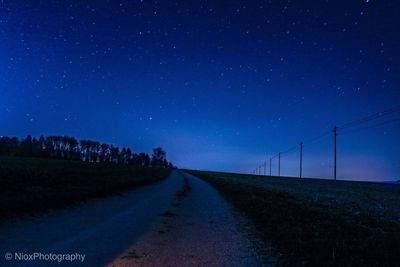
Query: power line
point(370, 127)
point(371, 117)
point(292, 149)
point(337, 131)
point(317, 138)
point(277, 155)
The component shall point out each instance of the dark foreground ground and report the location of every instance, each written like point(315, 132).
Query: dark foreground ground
point(29, 185)
point(318, 222)
point(179, 221)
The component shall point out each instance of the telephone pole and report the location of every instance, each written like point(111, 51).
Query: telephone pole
point(265, 168)
point(334, 151)
point(270, 167)
point(279, 164)
point(301, 159)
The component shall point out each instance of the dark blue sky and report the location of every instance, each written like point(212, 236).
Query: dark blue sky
point(221, 85)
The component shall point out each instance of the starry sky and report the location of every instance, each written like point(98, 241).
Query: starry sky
point(221, 85)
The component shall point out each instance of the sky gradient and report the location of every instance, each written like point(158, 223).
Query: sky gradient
point(221, 85)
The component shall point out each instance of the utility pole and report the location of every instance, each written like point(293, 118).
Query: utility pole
point(301, 159)
point(279, 164)
point(334, 151)
point(265, 168)
point(270, 167)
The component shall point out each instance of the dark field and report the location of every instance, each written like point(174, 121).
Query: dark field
point(29, 185)
point(319, 222)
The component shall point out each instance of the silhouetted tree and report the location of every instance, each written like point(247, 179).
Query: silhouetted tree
point(144, 160)
point(104, 153)
point(73, 149)
point(36, 148)
point(26, 146)
point(66, 147)
point(128, 156)
point(9, 146)
point(42, 145)
point(114, 151)
point(159, 157)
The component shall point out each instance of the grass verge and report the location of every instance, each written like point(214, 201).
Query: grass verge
point(317, 222)
point(29, 185)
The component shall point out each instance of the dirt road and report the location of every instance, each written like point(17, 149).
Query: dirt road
point(181, 221)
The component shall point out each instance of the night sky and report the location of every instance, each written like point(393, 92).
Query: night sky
point(220, 85)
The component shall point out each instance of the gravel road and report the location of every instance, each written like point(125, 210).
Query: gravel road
point(180, 221)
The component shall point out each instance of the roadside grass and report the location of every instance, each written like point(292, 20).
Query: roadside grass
point(29, 185)
point(314, 222)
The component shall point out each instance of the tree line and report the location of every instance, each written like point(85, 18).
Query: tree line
point(70, 148)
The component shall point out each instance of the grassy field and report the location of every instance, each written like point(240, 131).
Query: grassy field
point(28, 185)
point(314, 222)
